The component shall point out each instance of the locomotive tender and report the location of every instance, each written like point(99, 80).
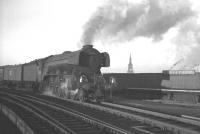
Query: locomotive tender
point(74, 75)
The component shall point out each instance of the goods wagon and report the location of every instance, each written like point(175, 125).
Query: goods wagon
point(13, 73)
point(32, 72)
point(1, 74)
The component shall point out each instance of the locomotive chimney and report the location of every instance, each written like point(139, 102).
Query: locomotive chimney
point(87, 46)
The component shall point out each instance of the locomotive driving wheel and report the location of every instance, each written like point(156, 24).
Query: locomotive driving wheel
point(81, 95)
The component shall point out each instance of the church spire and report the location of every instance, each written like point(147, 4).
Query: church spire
point(130, 59)
point(130, 65)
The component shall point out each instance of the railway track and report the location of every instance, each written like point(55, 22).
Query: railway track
point(177, 124)
point(122, 119)
point(112, 122)
point(48, 118)
point(190, 120)
point(173, 124)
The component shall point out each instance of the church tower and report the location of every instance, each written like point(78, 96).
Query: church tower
point(130, 66)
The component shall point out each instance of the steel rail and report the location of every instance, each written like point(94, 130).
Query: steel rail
point(84, 117)
point(41, 116)
point(171, 125)
point(138, 128)
point(163, 125)
point(16, 120)
point(162, 115)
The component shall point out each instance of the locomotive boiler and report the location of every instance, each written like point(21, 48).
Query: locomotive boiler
point(75, 75)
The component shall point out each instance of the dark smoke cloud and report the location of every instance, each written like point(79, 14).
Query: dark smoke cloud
point(123, 21)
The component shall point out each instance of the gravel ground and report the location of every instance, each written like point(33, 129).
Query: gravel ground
point(6, 126)
point(158, 106)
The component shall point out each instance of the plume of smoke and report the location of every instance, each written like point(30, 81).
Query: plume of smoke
point(120, 20)
point(188, 41)
point(176, 63)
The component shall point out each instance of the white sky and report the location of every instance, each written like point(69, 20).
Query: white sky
point(31, 29)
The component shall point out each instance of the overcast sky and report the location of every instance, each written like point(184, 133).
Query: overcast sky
point(157, 33)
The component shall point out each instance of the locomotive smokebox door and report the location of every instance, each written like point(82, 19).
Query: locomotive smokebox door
point(105, 59)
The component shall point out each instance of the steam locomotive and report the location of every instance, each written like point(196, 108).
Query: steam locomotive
point(75, 75)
